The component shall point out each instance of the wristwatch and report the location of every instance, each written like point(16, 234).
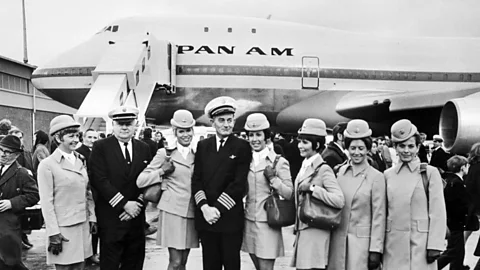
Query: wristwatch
point(312, 188)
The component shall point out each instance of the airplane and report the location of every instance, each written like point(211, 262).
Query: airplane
point(290, 72)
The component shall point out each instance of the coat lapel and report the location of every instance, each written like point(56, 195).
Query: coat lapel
point(311, 169)
point(178, 158)
point(9, 173)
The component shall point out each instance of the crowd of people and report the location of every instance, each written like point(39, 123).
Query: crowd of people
point(357, 202)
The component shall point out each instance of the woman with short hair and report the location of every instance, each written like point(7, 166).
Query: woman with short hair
point(358, 242)
point(40, 149)
point(311, 246)
point(173, 169)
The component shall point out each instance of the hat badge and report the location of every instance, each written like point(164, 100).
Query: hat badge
point(401, 131)
point(184, 120)
point(357, 130)
point(224, 101)
point(124, 109)
point(253, 124)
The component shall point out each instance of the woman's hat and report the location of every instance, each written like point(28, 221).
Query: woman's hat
point(182, 119)
point(12, 142)
point(62, 122)
point(256, 122)
point(313, 126)
point(402, 130)
point(357, 129)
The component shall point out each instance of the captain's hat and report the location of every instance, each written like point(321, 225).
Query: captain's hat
point(123, 113)
point(313, 126)
point(256, 122)
point(220, 105)
point(438, 138)
point(402, 130)
point(357, 129)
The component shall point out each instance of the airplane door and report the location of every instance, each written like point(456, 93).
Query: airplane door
point(310, 72)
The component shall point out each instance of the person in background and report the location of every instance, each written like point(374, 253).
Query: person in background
point(439, 155)
point(147, 138)
point(311, 247)
point(473, 187)
point(358, 242)
point(160, 140)
point(66, 199)
point(5, 126)
point(173, 168)
point(101, 135)
point(457, 201)
point(40, 149)
point(376, 158)
point(18, 190)
point(387, 152)
point(25, 158)
point(422, 151)
point(416, 216)
point(262, 242)
point(334, 154)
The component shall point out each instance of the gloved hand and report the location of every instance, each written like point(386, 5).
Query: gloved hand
point(269, 172)
point(167, 166)
point(374, 259)
point(93, 228)
point(55, 243)
point(432, 255)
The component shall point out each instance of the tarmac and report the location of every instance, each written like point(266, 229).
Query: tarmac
point(157, 258)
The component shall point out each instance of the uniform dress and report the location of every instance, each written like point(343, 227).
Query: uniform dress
point(362, 228)
point(176, 226)
point(258, 237)
point(414, 224)
point(67, 205)
point(311, 245)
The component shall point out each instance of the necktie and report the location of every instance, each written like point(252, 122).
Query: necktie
point(127, 154)
point(1, 170)
point(221, 144)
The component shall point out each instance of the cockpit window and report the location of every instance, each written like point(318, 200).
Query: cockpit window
point(115, 28)
point(109, 28)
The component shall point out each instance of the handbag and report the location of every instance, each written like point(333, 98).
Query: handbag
point(280, 212)
point(153, 193)
point(317, 214)
point(31, 218)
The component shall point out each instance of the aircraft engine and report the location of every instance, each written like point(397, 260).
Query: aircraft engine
point(460, 123)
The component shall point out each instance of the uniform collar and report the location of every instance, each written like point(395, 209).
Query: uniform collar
point(412, 165)
point(58, 154)
point(360, 170)
point(308, 161)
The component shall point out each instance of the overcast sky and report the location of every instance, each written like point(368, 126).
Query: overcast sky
point(56, 25)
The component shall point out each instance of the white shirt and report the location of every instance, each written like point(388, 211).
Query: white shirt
point(129, 147)
point(69, 157)
point(184, 151)
point(307, 162)
point(257, 156)
point(218, 141)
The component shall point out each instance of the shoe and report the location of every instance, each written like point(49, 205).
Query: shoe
point(466, 267)
point(25, 246)
point(95, 259)
point(150, 230)
point(25, 241)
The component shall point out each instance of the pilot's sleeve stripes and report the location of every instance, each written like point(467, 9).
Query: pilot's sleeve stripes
point(226, 201)
point(116, 199)
point(200, 196)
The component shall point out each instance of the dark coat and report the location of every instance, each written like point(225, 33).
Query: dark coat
point(439, 159)
point(422, 153)
point(473, 184)
point(220, 180)
point(333, 155)
point(457, 202)
point(292, 154)
point(25, 160)
point(85, 152)
point(152, 145)
point(113, 184)
point(18, 186)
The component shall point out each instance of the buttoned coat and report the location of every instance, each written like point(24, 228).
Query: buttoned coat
point(362, 229)
point(328, 191)
point(259, 187)
point(220, 180)
point(66, 199)
point(177, 186)
point(414, 224)
point(18, 186)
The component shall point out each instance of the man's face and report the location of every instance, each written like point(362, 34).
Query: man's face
point(423, 138)
point(223, 124)
point(7, 155)
point(19, 135)
point(124, 129)
point(90, 137)
point(437, 143)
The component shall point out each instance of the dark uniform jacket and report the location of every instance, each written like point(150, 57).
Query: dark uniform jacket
point(220, 180)
point(439, 159)
point(152, 145)
point(473, 184)
point(18, 186)
point(113, 184)
point(85, 152)
point(457, 202)
point(333, 155)
point(422, 153)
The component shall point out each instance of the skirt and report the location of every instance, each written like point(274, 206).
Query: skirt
point(176, 232)
point(262, 240)
point(77, 249)
point(311, 249)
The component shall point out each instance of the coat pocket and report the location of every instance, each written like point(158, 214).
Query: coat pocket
point(422, 225)
point(363, 231)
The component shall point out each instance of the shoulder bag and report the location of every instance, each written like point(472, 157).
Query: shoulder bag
point(280, 212)
point(153, 193)
point(316, 213)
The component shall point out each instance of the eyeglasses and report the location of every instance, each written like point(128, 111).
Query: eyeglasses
point(5, 152)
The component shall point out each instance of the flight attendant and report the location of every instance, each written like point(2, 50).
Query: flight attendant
point(358, 242)
point(416, 215)
point(262, 242)
point(115, 164)
point(219, 183)
point(176, 226)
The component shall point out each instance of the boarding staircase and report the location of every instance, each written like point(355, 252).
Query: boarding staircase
point(127, 74)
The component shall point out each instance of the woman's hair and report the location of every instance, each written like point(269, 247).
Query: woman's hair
point(474, 154)
point(147, 133)
point(5, 126)
point(13, 130)
point(318, 142)
point(455, 163)
point(418, 140)
point(66, 131)
point(267, 132)
point(367, 140)
point(40, 138)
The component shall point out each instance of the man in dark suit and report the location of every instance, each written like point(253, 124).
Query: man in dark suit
point(116, 163)
point(333, 153)
point(147, 138)
point(439, 155)
point(422, 150)
point(219, 183)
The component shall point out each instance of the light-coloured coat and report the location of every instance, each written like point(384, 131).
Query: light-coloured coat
point(177, 189)
point(327, 190)
point(259, 187)
point(362, 229)
point(414, 224)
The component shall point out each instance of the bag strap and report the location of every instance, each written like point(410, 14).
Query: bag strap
point(317, 170)
point(423, 172)
point(277, 158)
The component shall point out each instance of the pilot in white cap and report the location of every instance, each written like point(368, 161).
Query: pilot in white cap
point(437, 138)
point(220, 105)
point(123, 113)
